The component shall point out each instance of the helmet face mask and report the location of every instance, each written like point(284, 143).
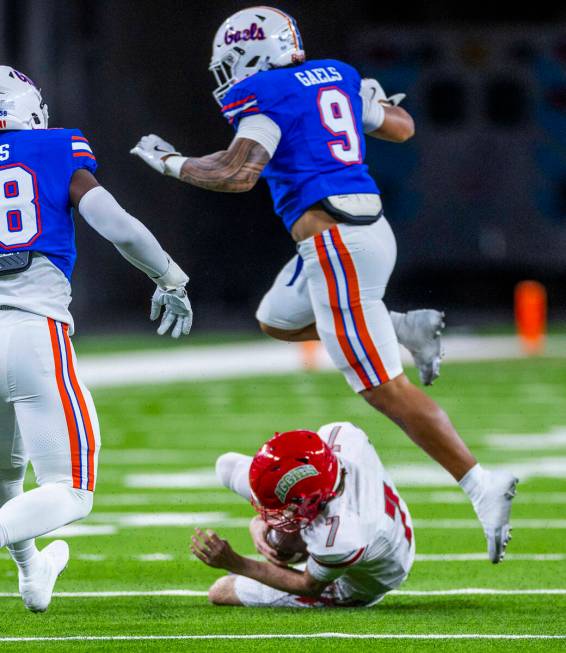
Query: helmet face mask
point(254, 39)
point(21, 104)
point(292, 479)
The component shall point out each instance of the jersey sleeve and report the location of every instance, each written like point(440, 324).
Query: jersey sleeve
point(344, 438)
point(331, 566)
point(261, 129)
point(82, 155)
point(240, 101)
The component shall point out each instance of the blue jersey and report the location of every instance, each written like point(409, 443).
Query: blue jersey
point(36, 167)
point(318, 109)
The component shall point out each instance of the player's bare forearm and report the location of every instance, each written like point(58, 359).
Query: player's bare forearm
point(398, 126)
point(285, 579)
point(218, 553)
point(235, 170)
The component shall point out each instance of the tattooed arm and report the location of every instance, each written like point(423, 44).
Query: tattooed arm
point(235, 170)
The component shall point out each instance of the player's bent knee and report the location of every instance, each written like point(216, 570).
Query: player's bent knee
point(388, 395)
point(83, 501)
point(278, 334)
point(223, 592)
point(224, 467)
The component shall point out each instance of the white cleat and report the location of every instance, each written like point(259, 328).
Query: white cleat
point(420, 331)
point(493, 509)
point(37, 590)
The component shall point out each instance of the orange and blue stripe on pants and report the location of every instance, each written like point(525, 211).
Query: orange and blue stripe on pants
point(82, 440)
point(350, 324)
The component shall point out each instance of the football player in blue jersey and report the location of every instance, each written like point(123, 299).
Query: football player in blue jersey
point(46, 414)
point(300, 125)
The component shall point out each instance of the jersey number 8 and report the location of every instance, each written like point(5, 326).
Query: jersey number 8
point(338, 118)
point(20, 221)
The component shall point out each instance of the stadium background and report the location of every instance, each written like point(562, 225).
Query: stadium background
point(477, 199)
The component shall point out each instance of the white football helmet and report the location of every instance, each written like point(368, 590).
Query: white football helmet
point(251, 40)
point(21, 104)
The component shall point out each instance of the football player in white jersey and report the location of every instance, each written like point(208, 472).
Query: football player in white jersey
point(300, 125)
point(330, 489)
point(47, 415)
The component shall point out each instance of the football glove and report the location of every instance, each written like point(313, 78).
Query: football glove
point(372, 90)
point(177, 314)
point(152, 149)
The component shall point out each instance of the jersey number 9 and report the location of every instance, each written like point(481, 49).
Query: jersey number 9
point(338, 118)
point(20, 222)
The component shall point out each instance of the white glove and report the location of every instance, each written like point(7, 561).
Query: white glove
point(152, 149)
point(178, 311)
point(371, 90)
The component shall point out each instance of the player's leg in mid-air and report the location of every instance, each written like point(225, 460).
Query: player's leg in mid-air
point(347, 270)
point(286, 313)
point(48, 416)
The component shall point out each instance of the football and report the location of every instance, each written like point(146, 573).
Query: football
point(290, 547)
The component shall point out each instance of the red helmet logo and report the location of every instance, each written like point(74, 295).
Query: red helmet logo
point(292, 477)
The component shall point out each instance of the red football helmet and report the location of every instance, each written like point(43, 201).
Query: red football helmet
point(292, 477)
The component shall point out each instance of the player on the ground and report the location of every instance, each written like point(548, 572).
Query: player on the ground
point(298, 124)
point(333, 492)
point(46, 413)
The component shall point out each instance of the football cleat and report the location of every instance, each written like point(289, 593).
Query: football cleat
point(493, 509)
point(36, 591)
point(420, 331)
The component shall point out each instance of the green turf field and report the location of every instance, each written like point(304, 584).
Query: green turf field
point(138, 533)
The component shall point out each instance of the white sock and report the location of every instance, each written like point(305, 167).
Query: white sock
point(23, 553)
point(42, 510)
point(26, 556)
point(232, 470)
point(472, 482)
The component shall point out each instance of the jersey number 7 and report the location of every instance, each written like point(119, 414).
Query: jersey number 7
point(338, 118)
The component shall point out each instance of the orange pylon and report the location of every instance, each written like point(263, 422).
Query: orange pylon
point(309, 352)
point(530, 315)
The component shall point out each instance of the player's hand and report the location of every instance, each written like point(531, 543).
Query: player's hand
point(177, 314)
point(152, 149)
point(258, 531)
point(213, 551)
point(372, 91)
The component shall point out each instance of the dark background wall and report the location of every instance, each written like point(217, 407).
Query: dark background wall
point(477, 199)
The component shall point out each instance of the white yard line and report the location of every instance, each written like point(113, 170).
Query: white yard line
point(259, 636)
point(465, 591)
point(182, 519)
point(420, 557)
point(460, 498)
point(259, 358)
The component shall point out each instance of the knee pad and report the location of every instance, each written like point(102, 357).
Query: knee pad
point(83, 501)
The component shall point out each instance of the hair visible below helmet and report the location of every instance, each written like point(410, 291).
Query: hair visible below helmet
point(254, 39)
point(292, 478)
point(21, 104)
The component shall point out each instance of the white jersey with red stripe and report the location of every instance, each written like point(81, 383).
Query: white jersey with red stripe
point(365, 536)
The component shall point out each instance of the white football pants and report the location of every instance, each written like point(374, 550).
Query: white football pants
point(47, 416)
point(338, 280)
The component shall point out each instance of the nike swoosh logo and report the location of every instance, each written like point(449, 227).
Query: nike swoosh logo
point(159, 149)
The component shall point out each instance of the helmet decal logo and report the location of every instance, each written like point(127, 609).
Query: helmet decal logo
point(253, 33)
point(21, 77)
point(291, 478)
